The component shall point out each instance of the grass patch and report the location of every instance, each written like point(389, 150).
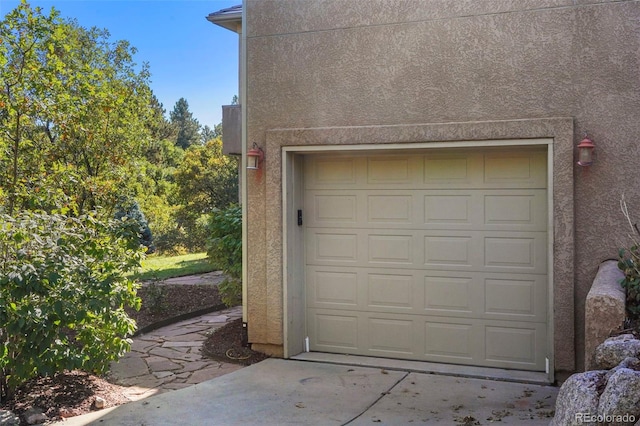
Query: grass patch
point(163, 267)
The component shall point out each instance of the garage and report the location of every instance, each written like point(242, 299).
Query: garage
point(436, 255)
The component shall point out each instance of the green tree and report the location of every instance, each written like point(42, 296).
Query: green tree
point(74, 113)
point(187, 127)
point(155, 190)
point(129, 209)
point(206, 179)
point(217, 130)
point(25, 37)
point(207, 133)
point(159, 127)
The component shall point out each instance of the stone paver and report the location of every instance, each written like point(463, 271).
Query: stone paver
point(158, 363)
point(169, 358)
point(130, 367)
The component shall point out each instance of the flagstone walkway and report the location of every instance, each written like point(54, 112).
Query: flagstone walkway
point(169, 358)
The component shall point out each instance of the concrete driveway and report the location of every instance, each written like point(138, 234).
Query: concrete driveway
point(279, 392)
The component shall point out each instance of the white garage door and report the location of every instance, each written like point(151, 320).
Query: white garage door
point(439, 255)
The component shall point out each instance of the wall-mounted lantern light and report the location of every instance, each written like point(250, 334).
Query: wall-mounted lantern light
point(585, 152)
point(255, 156)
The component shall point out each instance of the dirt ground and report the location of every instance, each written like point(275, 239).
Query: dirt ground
point(226, 345)
point(160, 302)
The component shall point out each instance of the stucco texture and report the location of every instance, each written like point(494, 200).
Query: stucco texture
point(334, 64)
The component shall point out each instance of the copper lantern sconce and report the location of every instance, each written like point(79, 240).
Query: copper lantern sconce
point(255, 156)
point(585, 152)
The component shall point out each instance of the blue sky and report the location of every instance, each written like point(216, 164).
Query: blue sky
point(189, 57)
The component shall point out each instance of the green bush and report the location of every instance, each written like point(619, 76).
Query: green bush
point(629, 264)
point(63, 290)
point(224, 249)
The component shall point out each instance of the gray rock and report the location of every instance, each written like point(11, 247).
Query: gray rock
point(620, 402)
point(578, 395)
point(615, 349)
point(9, 418)
point(35, 416)
point(629, 362)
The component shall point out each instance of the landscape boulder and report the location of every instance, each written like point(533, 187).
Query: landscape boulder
point(578, 395)
point(610, 396)
point(620, 401)
point(615, 349)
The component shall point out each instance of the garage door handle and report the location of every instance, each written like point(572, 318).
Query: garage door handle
point(299, 217)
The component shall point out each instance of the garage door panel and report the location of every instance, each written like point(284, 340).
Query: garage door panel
point(479, 251)
point(390, 209)
point(446, 251)
point(331, 172)
point(332, 247)
point(515, 210)
point(336, 208)
point(485, 251)
point(457, 170)
point(361, 289)
point(450, 295)
point(439, 257)
point(395, 291)
point(490, 296)
point(438, 339)
point(390, 171)
point(448, 209)
point(393, 336)
point(515, 169)
point(516, 252)
point(499, 210)
point(333, 288)
point(510, 252)
point(447, 342)
point(336, 331)
point(462, 169)
point(390, 249)
point(520, 298)
point(518, 344)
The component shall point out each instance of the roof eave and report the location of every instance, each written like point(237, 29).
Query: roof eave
point(230, 21)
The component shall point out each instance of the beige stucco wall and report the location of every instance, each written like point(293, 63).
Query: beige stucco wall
point(337, 63)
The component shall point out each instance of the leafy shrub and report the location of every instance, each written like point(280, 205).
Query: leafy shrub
point(63, 290)
point(231, 291)
point(629, 264)
point(224, 249)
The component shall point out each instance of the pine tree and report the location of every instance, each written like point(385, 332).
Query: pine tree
point(187, 127)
